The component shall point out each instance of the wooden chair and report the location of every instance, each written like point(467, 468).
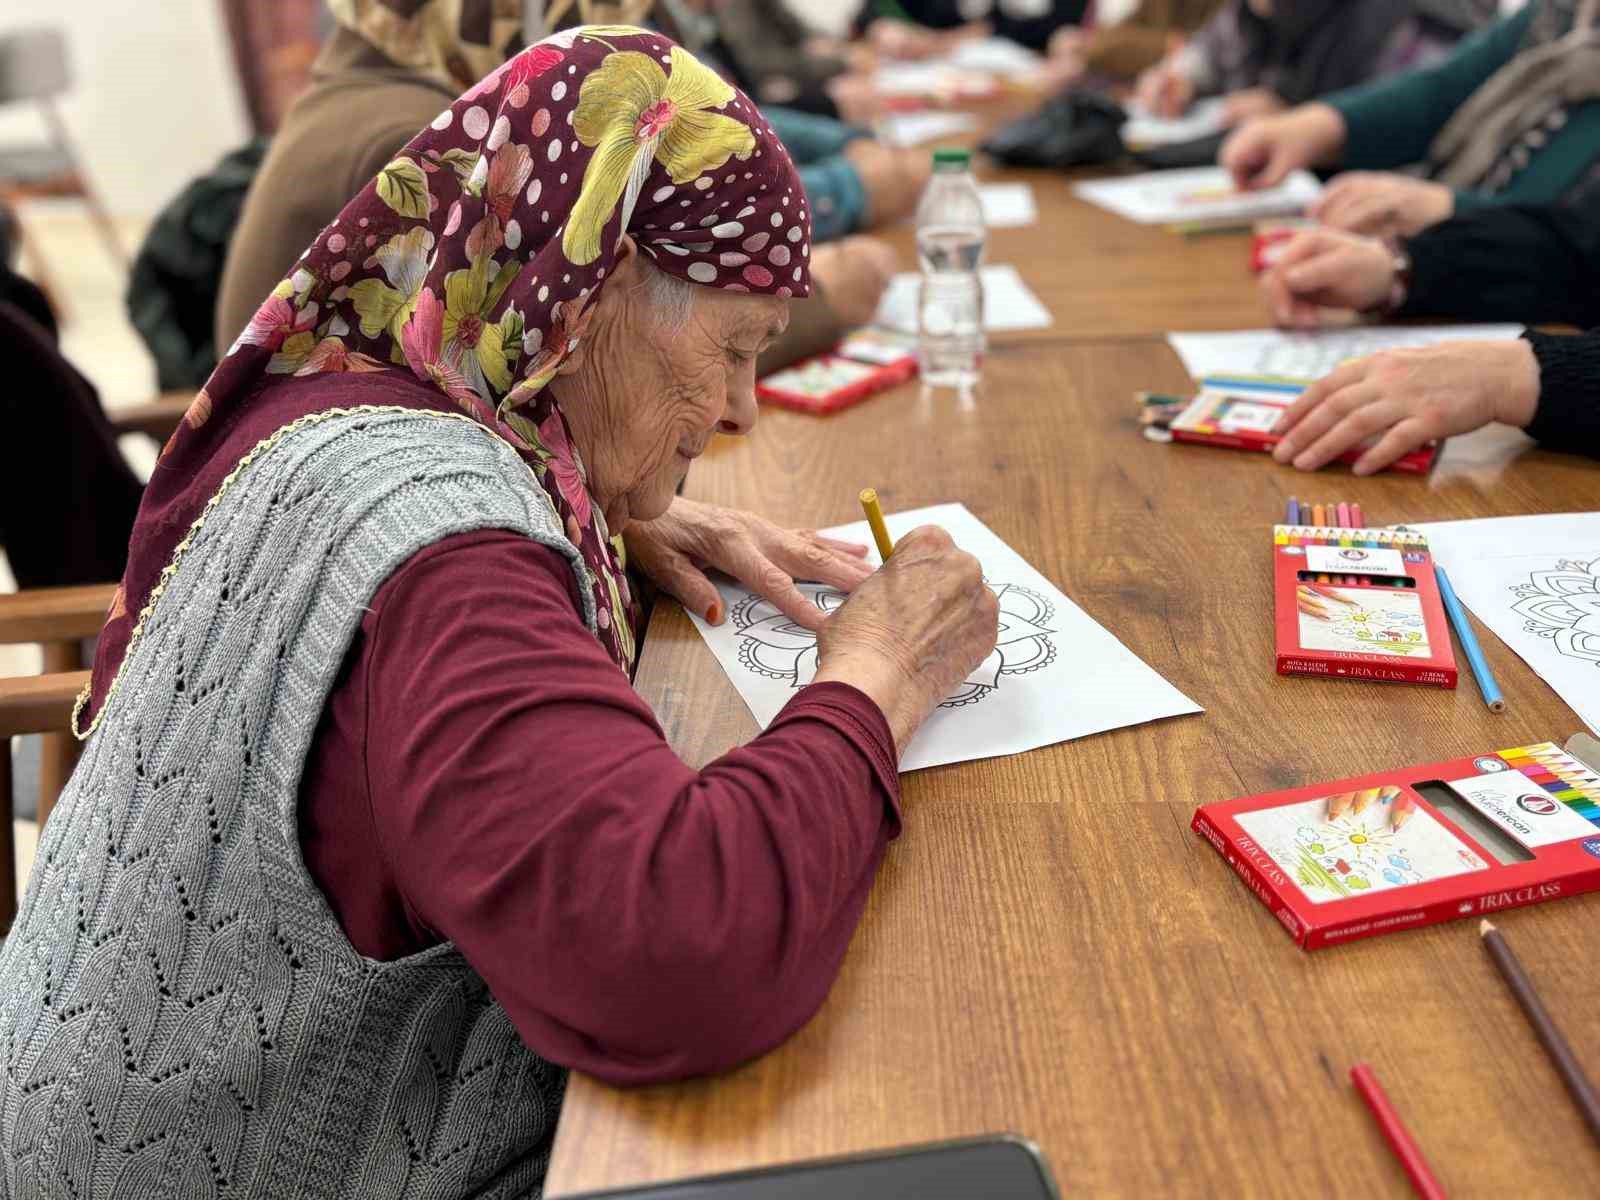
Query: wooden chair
point(58, 620)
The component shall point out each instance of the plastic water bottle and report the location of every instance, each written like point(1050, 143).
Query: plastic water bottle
point(950, 241)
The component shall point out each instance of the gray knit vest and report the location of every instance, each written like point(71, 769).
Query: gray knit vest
point(180, 1013)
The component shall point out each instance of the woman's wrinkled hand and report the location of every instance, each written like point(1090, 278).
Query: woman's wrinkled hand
point(676, 548)
point(913, 631)
point(1324, 268)
point(1382, 204)
point(1402, 399)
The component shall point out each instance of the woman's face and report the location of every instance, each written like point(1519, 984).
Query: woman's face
point(645, 393)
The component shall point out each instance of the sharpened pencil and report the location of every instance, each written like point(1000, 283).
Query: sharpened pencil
point(880, 531)
point(1469, 643)
point(1555, 1045)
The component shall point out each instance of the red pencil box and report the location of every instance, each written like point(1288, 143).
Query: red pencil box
point(1239, 413)
point(860, 366)
point(1359, 604)
point(1475, 835)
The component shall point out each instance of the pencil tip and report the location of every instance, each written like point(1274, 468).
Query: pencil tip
point(1485, 927)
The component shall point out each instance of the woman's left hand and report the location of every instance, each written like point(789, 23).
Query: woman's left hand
point(1407, 398)
point(1381, 204)
point(675, 548)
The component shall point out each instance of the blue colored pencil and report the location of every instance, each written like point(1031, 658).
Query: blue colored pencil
point(1293, 517)
point(1469, 643)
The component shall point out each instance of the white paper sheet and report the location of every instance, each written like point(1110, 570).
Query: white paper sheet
point(1144, 130)
point(1008, 302)
point(1286, 355)
point(1056, 675)
point(1535, 581)
point(1008, 205)
point(915, 128)
point(1200, 195)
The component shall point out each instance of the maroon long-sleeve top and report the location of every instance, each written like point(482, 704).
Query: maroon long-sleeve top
point(484, 774)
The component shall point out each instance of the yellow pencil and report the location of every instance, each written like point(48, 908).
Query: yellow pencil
point(880, 531)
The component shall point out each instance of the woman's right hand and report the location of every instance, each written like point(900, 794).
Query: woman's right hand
point(912, 631)
point(1261, 153)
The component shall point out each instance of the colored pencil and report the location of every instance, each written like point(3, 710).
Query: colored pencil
point(1319, 515)
point(1469, 643)
point(1395, 1133)
point(880, 531)
point(1401, 812)
point(1357, 517)
point(1293, 515)
point(1343, 512)
point(1555, 1045)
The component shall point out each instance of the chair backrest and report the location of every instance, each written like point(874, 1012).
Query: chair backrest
point(33, 65)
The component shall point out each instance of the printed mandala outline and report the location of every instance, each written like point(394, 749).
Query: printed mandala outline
point(774, 647)
point(1562, 605)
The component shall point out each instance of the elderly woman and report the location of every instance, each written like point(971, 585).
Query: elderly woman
point(371, 838)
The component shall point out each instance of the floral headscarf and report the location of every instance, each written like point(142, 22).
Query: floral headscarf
point(472, 262)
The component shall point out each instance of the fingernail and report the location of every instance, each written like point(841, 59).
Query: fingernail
point(714, 613)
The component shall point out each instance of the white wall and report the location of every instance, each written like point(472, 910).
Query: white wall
point(155, 100)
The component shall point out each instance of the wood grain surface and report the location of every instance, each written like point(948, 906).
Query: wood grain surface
point(1048, 949)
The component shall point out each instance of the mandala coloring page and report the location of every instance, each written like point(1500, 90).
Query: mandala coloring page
point(1054, 674)
point(773, 646)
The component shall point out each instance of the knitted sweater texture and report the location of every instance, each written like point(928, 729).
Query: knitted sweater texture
point(180, 1013)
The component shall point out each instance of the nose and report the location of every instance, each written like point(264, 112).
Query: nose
point(739, 417)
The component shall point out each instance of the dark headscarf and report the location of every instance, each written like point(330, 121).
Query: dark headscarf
point(473, 260)
point(1308, 48)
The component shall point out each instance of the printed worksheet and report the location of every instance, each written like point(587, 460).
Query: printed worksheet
point(1201, 195)
point(1008, 302)
point(1282, 354)
point(1534, 581)
point(1055, 675)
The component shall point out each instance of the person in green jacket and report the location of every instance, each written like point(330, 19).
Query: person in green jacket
point(1512, 116)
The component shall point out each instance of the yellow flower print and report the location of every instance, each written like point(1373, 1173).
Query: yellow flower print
point(632, 113)
point(482, 351)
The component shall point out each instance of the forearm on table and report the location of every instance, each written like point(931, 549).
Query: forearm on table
point(663, 922)
point(1529, 263)
point(1567, 417)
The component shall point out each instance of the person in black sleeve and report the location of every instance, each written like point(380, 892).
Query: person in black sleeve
point(1526, 263)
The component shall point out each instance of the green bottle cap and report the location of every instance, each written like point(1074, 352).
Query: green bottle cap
point(952, 156)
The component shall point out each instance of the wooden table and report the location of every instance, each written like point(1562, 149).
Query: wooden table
point(1048, 949)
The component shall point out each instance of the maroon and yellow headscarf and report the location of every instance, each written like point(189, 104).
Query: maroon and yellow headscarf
point(472, 262)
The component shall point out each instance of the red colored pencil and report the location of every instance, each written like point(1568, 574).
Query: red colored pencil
point(1358, 519)
point(1396, 1134)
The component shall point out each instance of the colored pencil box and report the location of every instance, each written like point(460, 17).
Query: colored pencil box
point(1475, 835)
point(1239, 413)
point(1359, 604)
point(860, 366)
